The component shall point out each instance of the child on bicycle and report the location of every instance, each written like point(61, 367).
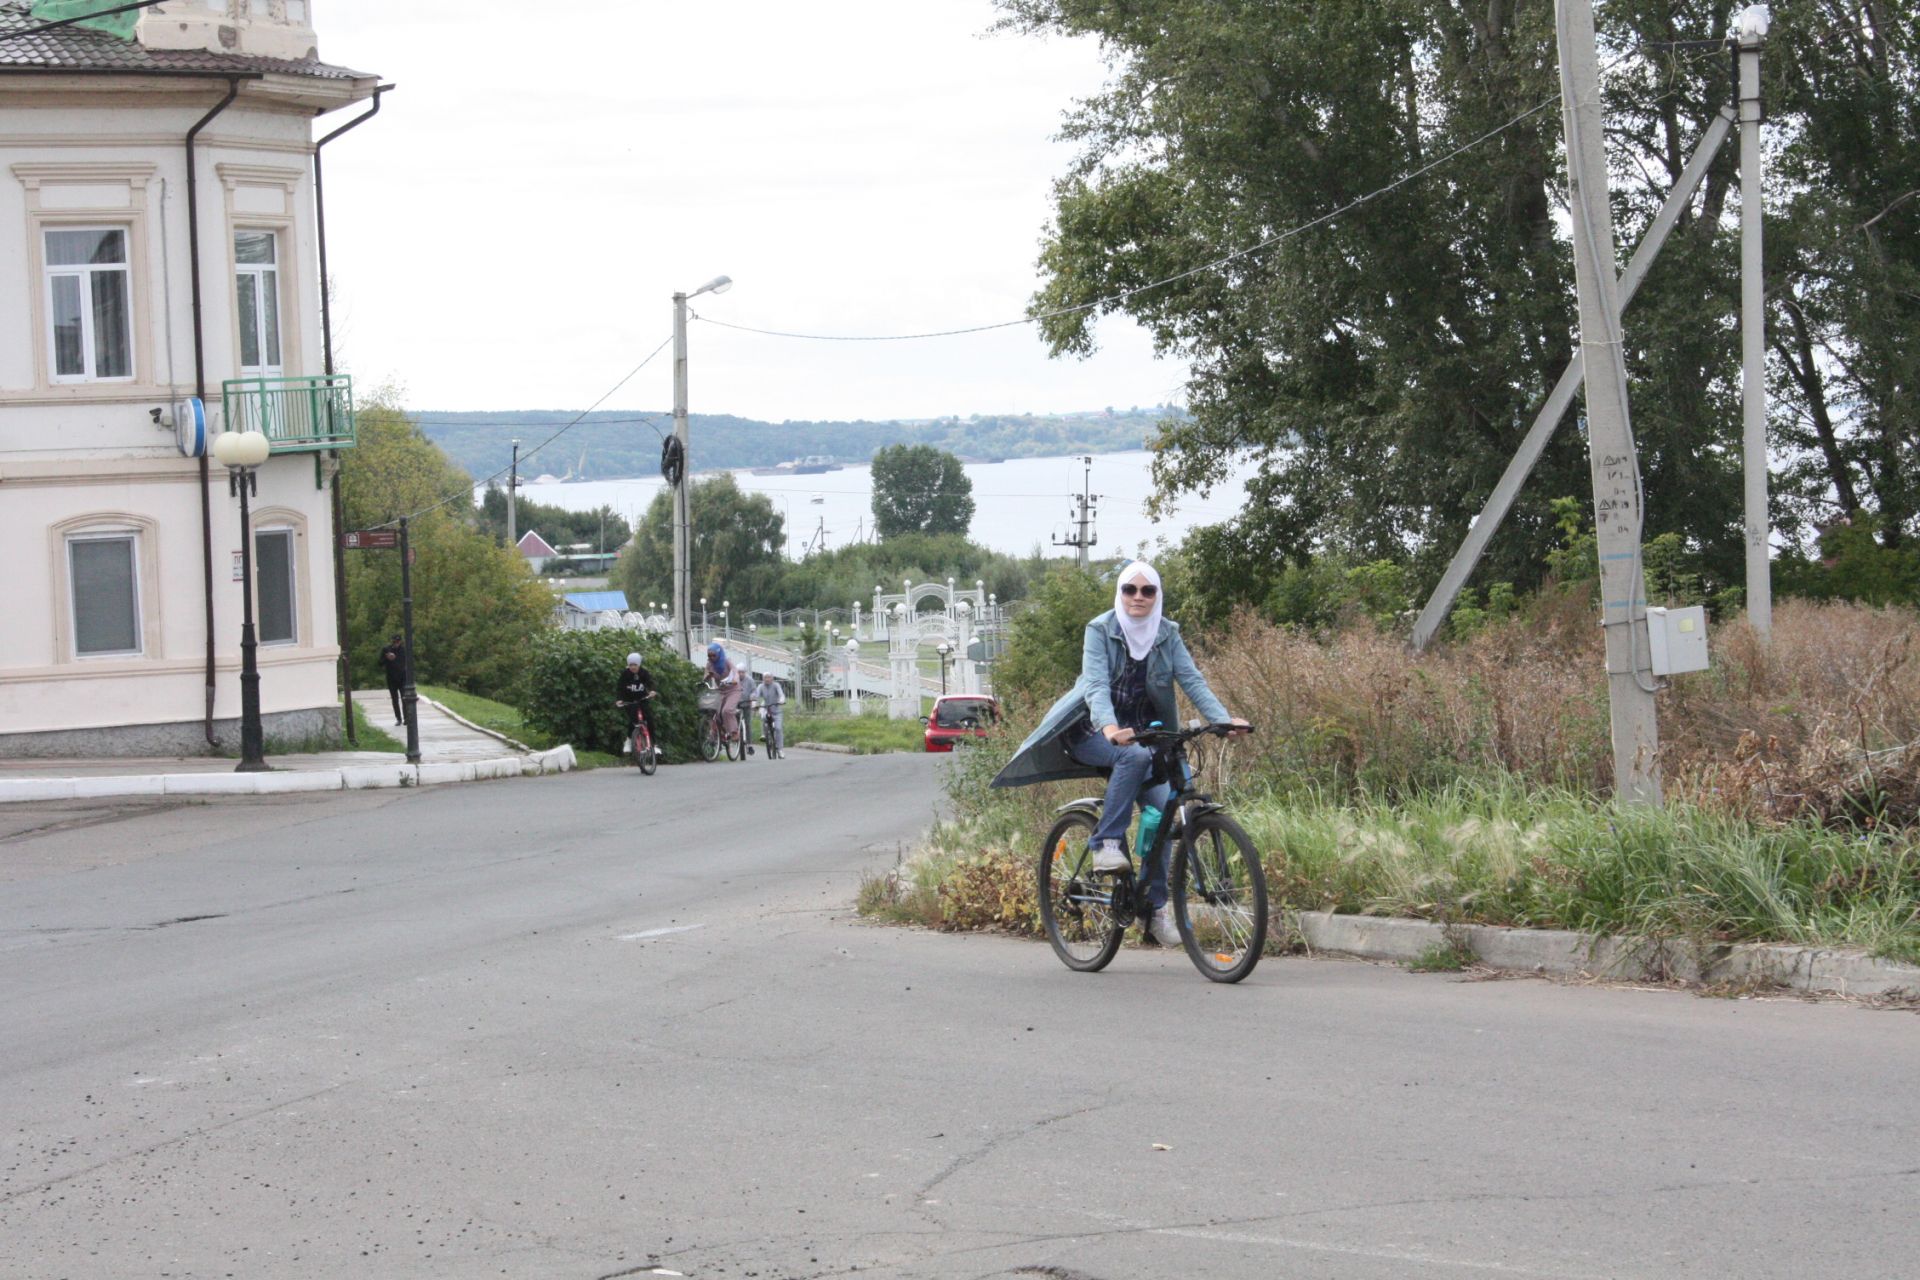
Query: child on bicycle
point(1131, 660)
point(635, 687)
point(772, 697)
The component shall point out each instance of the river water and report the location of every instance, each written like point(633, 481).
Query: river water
point(1019, 504)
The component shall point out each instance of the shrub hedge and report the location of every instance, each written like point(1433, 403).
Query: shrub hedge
point(568, 690)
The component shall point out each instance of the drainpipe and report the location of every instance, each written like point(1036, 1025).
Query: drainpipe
point(200, 371)
point(326, 332)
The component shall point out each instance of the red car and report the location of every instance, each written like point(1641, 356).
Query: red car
point(959, 716)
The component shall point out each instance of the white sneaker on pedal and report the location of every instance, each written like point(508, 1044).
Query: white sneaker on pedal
point(1164, 930)
point(1109, 856)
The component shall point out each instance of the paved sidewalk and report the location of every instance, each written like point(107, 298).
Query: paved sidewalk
point(451, 750)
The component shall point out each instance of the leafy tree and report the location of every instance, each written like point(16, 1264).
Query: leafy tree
point(1384, 362)
point(735, 553)
point(602, 529)
point(476, 606)
point(920, 489)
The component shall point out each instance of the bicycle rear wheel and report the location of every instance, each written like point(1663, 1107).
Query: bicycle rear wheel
point(1076, 906)
point(709, 737)
point(1220, 898)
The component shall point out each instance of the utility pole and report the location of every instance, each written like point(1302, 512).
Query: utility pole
point(682, 503)
point(513, 490)
point(1750, 36)
point(1082, 539)
point(682, 568)
point(1618, 513)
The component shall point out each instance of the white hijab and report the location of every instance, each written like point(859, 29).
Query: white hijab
point(1139, 632)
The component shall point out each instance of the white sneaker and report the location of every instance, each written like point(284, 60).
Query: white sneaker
point(1109, 856)
point(1164, 930)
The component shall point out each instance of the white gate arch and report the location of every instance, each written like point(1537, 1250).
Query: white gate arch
point(927, 612)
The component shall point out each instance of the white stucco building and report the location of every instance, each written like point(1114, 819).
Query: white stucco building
point(121, 626)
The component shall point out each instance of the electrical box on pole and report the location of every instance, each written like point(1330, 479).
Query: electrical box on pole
point(1618, 514)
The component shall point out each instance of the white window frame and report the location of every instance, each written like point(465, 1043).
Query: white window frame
point(85, 272)
point(132, 538)
point(265, 281)
point(292, 536)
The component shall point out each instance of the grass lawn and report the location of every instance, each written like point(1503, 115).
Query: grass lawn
point(367, 737)
point(866, 734)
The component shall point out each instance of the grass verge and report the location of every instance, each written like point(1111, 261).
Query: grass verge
point(866, 734)
point(1498, 853)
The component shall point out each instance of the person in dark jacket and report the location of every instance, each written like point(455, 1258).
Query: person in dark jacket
point(635, 687)
point(393, 660)
point(1130, 663)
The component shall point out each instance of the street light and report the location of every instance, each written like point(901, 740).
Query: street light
point(682, 511)
point(705, 635)
point(943, 648)
point(724, 607)
point(242, 452)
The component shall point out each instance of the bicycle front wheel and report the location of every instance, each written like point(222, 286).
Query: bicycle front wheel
point(643, 753)
point(709, 738)
point(1076, 906)
point(1220, 898)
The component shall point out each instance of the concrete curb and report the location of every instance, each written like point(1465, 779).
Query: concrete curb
point(286, 782)
point(1555, 951)
point(838, 748)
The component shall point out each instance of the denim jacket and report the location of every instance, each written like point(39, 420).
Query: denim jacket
point(1043, 757)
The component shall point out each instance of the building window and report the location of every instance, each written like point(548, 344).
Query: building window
point(104, 587)
point(257, 281)
point(273, 570)
point(89, 303)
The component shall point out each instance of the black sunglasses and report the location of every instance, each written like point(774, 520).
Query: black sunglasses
point(1146, 589)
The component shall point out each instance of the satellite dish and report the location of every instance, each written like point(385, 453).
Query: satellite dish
point(190, 427)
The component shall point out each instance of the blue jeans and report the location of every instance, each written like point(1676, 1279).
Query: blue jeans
point(1127, 769)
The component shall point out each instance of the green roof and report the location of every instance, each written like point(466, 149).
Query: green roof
point(117, 24)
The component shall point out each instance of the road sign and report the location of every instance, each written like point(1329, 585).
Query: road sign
point(370, 540)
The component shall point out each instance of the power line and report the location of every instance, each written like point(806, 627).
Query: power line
point(467, 493)
point(85, 17)
point(1214, 265)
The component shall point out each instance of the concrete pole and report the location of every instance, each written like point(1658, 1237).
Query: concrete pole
point(513, 494)
point(1618, 514)
point(1751, 35)
point(682, 522)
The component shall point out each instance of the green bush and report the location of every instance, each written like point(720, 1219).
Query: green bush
point(568, 690)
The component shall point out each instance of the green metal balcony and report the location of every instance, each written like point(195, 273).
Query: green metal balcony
point(297, 415)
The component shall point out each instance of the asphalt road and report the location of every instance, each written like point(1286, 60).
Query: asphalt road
point(599, 1025)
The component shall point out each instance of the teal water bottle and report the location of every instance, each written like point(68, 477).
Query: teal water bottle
point(1149, 830)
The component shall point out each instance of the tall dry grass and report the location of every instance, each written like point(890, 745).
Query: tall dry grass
point(1824, 719)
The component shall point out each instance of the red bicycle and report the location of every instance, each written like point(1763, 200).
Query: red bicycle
point(646, 756)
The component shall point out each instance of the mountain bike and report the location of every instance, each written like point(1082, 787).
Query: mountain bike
point(1219, 889)
point(640, 743)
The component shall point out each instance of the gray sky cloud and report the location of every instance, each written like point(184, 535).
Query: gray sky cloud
point(510, 231)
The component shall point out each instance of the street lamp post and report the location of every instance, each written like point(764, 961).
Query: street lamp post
point(726, 625)
point(242, 452)
point(705, 635)
point(682, 509)
point(944, 649)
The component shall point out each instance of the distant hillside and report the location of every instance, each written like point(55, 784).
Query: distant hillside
point(617, 443)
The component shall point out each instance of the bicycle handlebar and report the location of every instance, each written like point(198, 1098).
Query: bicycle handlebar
point(1177, 737)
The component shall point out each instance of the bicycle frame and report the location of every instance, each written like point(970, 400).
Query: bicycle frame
point(1185, 803)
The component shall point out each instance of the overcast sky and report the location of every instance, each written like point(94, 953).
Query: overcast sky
point(510, 231)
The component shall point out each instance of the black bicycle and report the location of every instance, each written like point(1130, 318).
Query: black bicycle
point(1219, 889)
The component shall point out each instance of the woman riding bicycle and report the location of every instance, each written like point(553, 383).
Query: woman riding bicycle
point(726, 678)
point(1130, 662)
